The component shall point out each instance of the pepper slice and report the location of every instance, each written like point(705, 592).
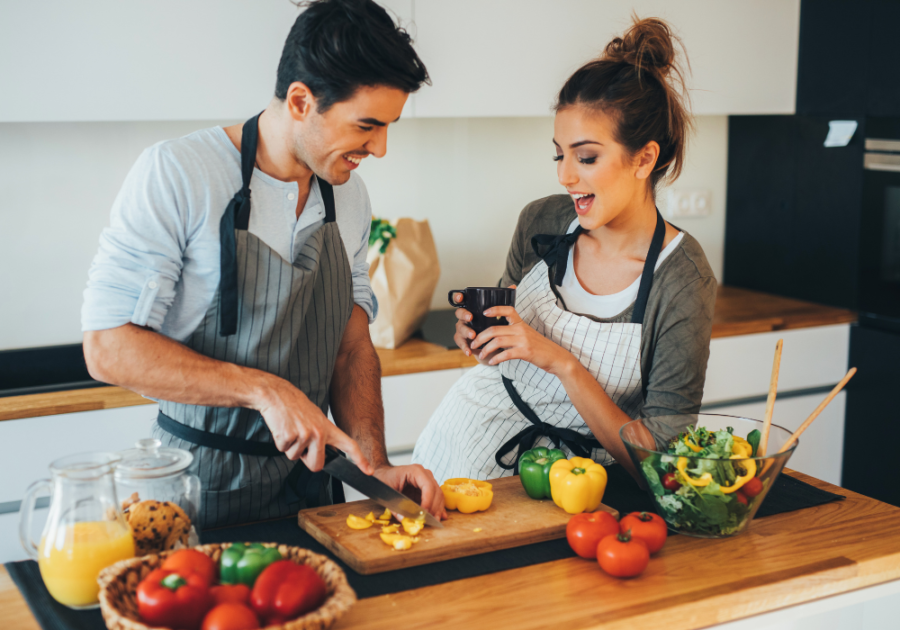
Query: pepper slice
point(241, 564)
point(704, 480)
point(577, 484)
point(750, 466)
point(691, 445)
point(534, 470)
point(355, 522)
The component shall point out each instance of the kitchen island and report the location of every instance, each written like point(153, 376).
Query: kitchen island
point(814, 556)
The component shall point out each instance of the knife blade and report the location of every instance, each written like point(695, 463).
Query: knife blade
point(339, 466)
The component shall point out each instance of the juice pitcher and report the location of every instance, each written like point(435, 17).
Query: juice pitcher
point(85, 531)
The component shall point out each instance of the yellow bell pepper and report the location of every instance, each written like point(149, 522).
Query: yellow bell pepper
point(412, 526)
point(691, 445)
point(750, 466)
point(390, 529)
point(399, 542)
point(385, 516)
point(741, 447)
point(577, 484)
point(467, 495)
point(355, 522)
point(704, 480)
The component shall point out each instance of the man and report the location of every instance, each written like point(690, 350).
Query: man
point(245, 320)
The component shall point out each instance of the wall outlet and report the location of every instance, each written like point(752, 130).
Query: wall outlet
point(685, 203)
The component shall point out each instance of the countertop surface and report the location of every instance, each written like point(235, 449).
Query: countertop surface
point(783, 560)
point(738, 312)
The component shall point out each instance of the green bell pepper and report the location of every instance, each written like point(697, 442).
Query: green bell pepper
point(534, 470)
point(241, 564)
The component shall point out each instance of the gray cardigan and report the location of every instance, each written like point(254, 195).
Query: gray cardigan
point(677, 323)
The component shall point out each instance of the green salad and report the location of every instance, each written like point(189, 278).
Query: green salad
point(704, 483)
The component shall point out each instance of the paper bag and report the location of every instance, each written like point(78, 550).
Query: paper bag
point(403, 278)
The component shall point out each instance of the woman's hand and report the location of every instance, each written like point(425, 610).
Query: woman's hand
point(518, 340)
point(464, 333)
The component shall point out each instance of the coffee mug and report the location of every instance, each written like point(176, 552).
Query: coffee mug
point(476, 300)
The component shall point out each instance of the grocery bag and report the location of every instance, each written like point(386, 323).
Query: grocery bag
point(404, 271)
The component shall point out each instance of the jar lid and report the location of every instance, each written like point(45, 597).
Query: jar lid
point(149, 460)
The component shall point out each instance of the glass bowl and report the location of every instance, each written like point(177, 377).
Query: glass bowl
point(706, 506)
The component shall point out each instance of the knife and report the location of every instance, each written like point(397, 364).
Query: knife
point(339, 466)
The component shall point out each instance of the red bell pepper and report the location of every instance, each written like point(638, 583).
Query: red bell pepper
point(285, 591)
point(167, 599)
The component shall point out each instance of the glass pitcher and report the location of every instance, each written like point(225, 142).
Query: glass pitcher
point(85, 531)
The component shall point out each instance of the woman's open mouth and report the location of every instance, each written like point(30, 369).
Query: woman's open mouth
point(583, 202)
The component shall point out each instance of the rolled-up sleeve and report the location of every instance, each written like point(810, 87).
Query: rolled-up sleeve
point(362, 287)
point(132, 278)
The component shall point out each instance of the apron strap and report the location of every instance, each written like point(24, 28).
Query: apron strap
point(581, 445)
point(236, 217)
point(557, 250)
point(300, 484)
point(327, 192)
point(640, 305)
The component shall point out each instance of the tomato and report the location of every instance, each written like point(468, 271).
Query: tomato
point(670, 482)
point(234, 593)
point(648, 527)
point(741, 498)
point(586, 530)
point(752, 487)
point(191, 561)
point(230, 616)
point(622, 556)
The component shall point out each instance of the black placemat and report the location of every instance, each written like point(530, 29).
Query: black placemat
point(788, 494)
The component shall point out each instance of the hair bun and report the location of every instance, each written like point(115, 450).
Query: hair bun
point(648, 45)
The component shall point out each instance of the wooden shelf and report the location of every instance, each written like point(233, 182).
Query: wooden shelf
point(738, 312)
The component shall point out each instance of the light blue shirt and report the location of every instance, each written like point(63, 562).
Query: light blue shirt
point(158, 262)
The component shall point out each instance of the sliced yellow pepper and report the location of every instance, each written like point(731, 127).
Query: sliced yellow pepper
point(355, 522)
point(390, 529)
point(577, 484)
point(704, 480)
point(691, 445)
point(750, 466)
point(400, 542)
point(741, 447)
point(412, 527)
point(467, 495)
point(385, 516)
point(370, 516)
point(379, 521)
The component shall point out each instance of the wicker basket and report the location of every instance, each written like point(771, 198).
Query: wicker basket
point(118, 587)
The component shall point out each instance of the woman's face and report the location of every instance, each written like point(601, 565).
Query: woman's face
point(599, 175)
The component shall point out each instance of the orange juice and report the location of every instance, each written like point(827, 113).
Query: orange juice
point(71, 560)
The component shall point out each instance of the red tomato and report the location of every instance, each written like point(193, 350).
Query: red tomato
point(648, 527)
point(191, 561)
point(230, 616)
point(741, 498)
point(752, 487)
point(233, 593)
point(670, 482)
point(586, 530)
point(623, 556)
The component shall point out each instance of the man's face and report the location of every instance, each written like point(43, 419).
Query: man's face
point(334, 143)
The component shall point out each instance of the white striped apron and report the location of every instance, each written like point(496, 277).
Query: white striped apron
point(479, 430)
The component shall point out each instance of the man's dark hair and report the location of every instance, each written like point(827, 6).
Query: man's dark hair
point(338, 46)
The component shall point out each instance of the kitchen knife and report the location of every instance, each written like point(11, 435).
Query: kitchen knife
point(339, 466)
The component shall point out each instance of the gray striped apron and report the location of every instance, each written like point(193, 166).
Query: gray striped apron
point(281, 317)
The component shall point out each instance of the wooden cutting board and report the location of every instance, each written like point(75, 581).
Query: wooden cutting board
point(513, 520)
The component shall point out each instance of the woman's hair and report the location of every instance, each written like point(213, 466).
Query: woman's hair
point(638, 82)
point(338, 46)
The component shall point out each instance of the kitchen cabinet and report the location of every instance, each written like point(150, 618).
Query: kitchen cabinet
point(166, 60)
point(510, 57)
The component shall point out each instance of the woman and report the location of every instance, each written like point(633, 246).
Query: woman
point(614, 306)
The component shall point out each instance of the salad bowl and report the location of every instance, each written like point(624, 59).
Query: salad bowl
point(708, 482)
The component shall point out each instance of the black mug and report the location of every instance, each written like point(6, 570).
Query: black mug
point(477, 300)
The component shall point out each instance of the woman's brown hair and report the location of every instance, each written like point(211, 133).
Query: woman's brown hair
point(638, 82)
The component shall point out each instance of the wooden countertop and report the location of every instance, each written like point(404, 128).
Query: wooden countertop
point(738, 312)
point(782, 561)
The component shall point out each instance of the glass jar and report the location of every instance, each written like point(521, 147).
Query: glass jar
point(150, 472)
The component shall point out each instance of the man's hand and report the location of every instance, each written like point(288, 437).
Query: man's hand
point(418, 484)
point(301, 430)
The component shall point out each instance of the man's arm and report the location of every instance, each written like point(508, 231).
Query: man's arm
point(153, 365)
point(357, 409)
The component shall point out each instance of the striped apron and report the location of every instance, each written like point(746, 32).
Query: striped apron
point(494, 414)
point(286, 318)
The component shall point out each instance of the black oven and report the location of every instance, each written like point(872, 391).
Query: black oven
point(879, 259)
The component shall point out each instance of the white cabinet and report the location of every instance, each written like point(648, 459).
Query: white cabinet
point(409, 401)
point(161, 60)
point(510, 57)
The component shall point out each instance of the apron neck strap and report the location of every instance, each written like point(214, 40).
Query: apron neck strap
point(327, 192)
point(640, 305)
point(249, 143)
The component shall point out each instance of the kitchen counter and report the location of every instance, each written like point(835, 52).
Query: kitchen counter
point(784, 560)
point(738, 312)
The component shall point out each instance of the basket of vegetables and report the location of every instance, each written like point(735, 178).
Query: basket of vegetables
point(710, 481)
point(230, 586)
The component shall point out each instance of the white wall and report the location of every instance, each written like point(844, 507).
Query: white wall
point(469, 176)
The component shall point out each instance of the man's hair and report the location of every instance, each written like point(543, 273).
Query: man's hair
point(338, 46)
